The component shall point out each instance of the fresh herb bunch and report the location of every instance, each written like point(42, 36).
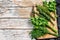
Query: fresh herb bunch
point(39, 27)
point(43, 11)
point(41, 18)
point(43, 14)
point(37, 21)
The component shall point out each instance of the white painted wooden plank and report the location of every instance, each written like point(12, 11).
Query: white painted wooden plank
point(12, 9)
point(15, 23)
point(15, 12)
point(15, 35)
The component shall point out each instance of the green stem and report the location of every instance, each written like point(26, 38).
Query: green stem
point(44, 16)
point(51, 28)
point(53, 34)
point(45, 10)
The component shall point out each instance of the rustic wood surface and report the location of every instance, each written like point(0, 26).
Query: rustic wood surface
point(14, 20)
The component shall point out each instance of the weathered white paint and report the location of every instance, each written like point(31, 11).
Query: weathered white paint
point(15, 23)
point(14, 35)
point(13, 9)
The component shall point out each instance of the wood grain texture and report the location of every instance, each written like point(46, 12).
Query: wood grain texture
point(24, 12)
point(14, 35)
point(27, 3)
point(15, 24)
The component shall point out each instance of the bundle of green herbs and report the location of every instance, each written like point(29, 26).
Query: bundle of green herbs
point(40, 27)
point(40, 22)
